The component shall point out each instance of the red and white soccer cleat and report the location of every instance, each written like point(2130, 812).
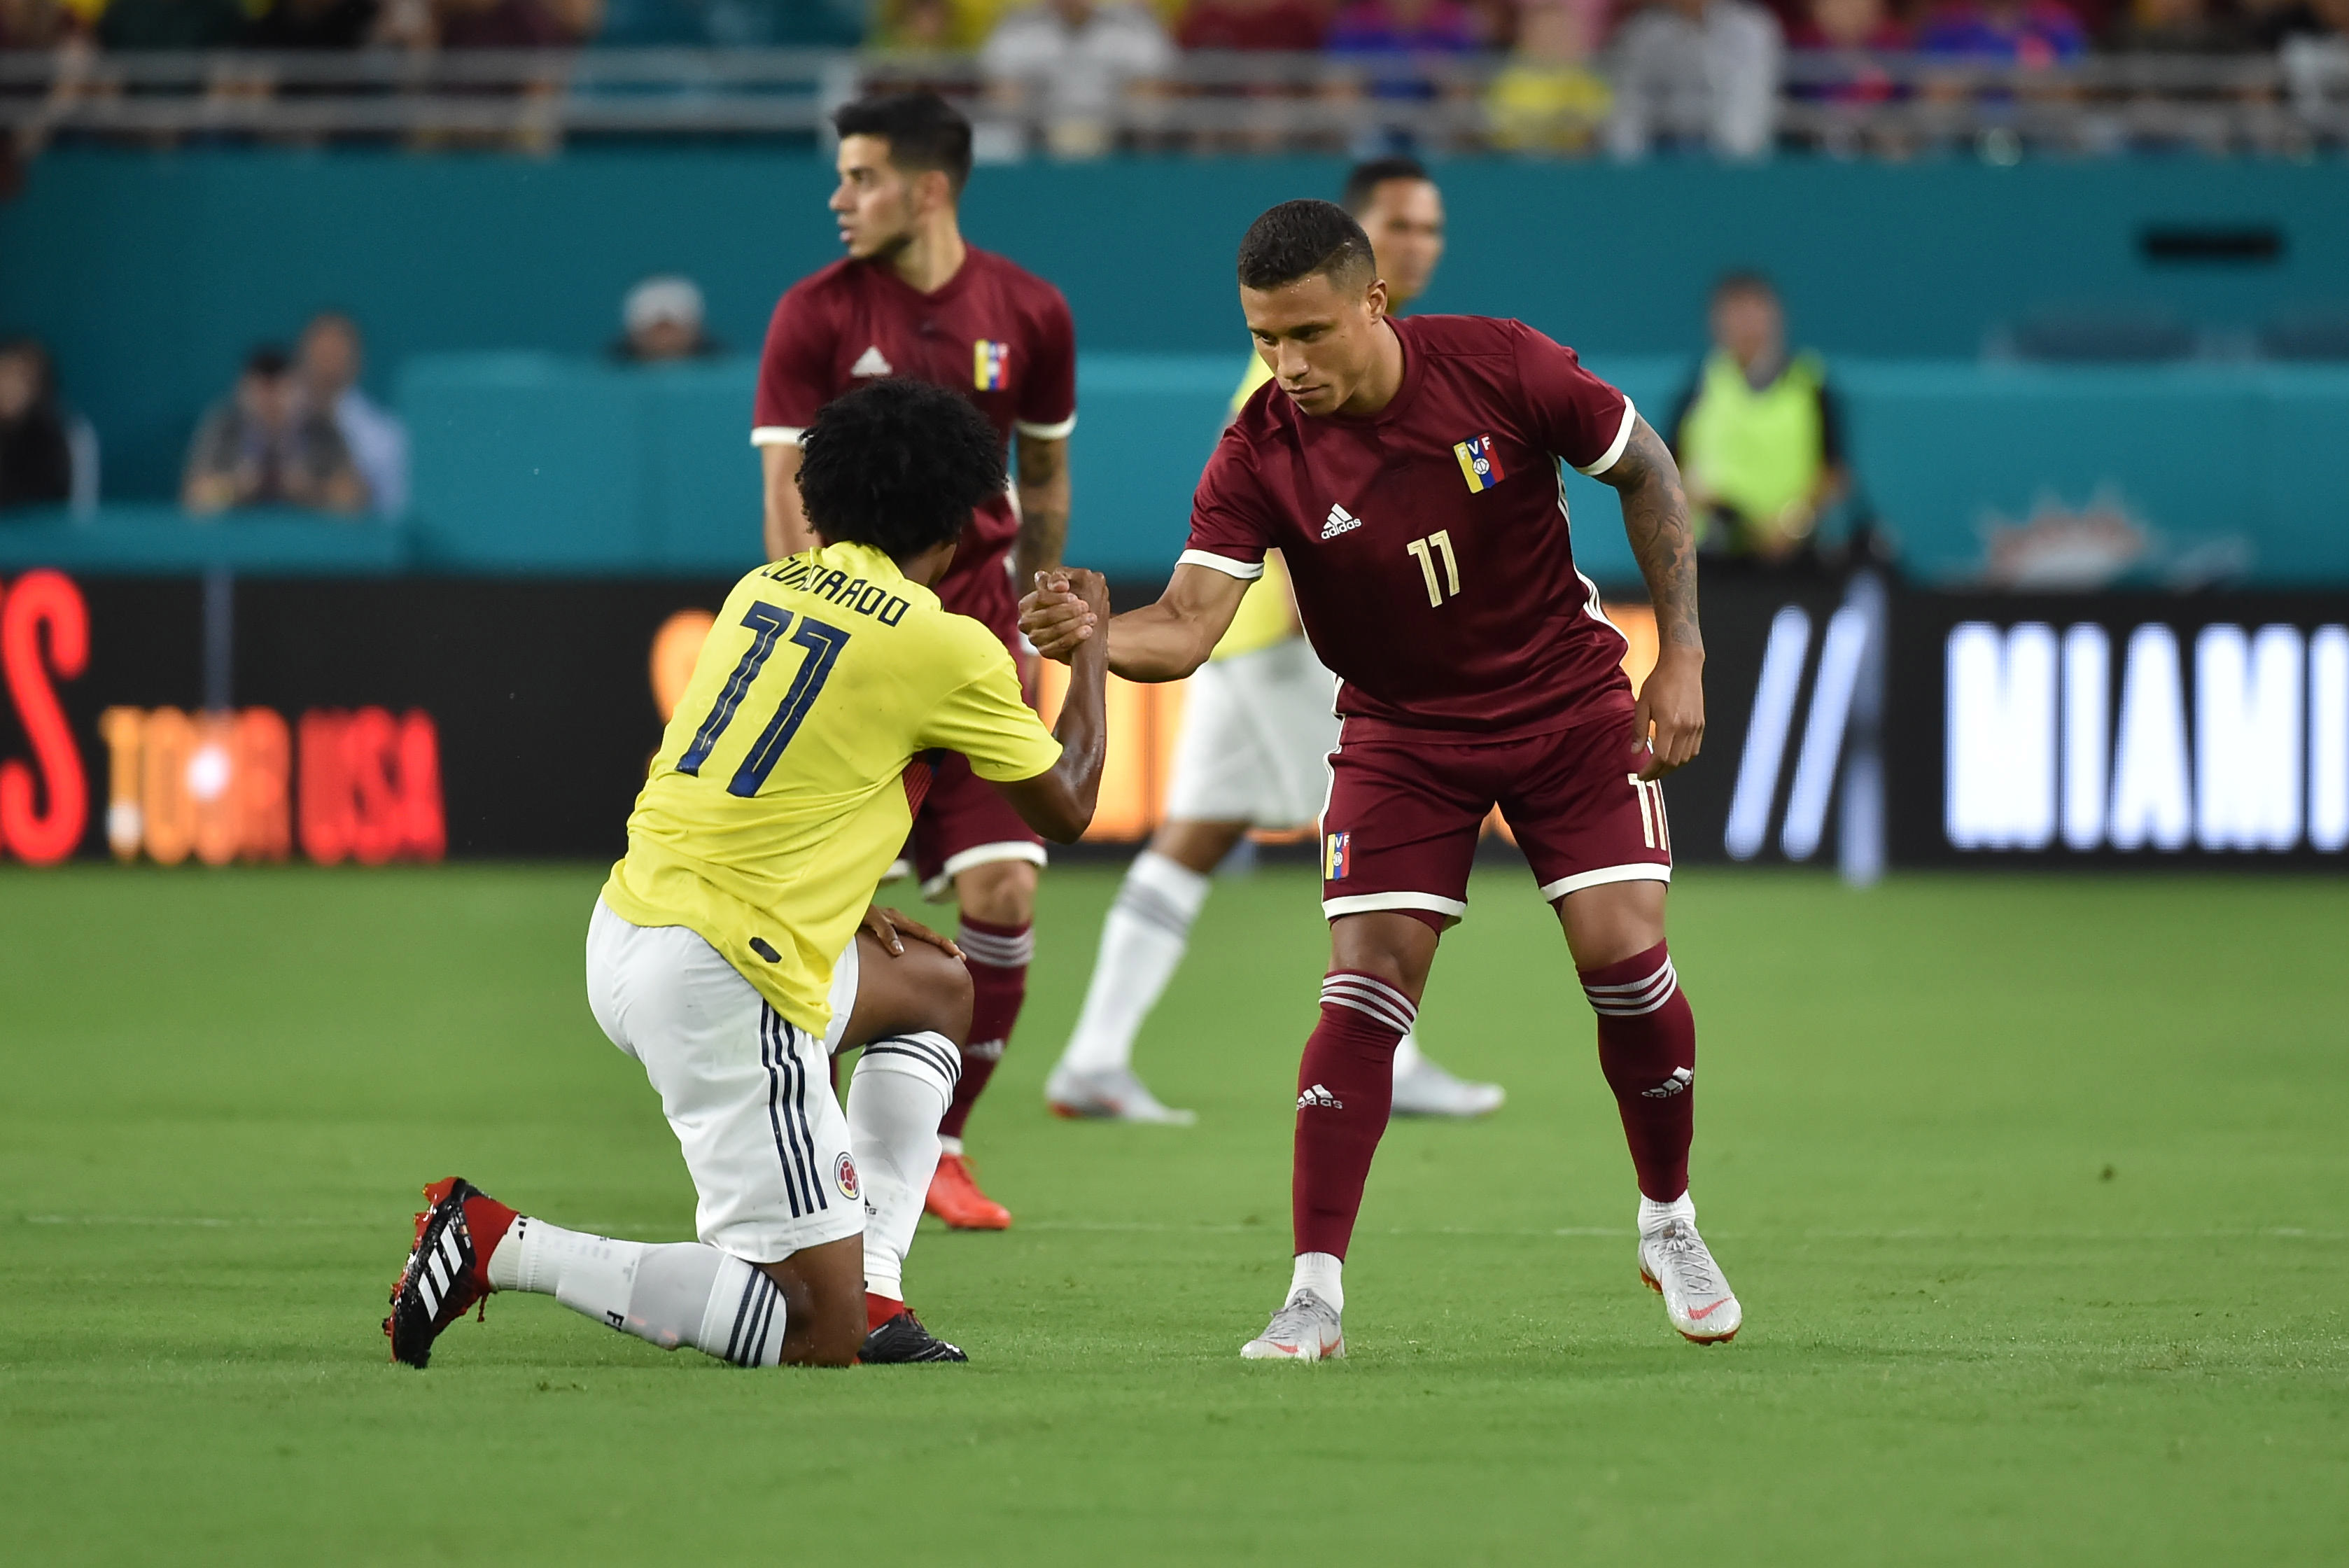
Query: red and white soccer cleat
point(1676, 1264)
point(449, 1268)
point(1306, 1328)
point(956, 1199)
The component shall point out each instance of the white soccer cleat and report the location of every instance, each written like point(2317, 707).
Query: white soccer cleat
point(1424, 1089)
point(1113, 1094)
point(1675, 1263)
point(1306, 1328)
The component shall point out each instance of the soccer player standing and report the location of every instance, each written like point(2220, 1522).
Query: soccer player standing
point(912, 299)
point(1408, 471)
point(734, 947)
point(1257, 730)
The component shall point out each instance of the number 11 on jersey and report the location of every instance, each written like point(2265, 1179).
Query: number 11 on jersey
point(1441, 541)
point(767, 623)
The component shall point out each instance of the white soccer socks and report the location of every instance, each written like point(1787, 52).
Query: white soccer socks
point(1323, 1273)
point(1142, 945)
point(901, 1087)
point(681, 1292)
point(1655, 1216)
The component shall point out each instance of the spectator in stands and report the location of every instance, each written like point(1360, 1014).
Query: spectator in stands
point(1293, 24)
point(265, 445)
point(1393, 37)
point(1547, 98)
point(923, 26)
point(661, 319)
point(1697, 74)
point(313, 25)
point(723, 24)
point(35, 456)
point(2030, 34)
point(2179, 27)
point(331, 357)
point(127, 24)
point(1758, 437)
point(1065, 64)
point(36, 23)
point(1856, 29)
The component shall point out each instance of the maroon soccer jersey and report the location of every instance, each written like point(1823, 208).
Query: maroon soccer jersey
point(996, 333)
point(1429, 544)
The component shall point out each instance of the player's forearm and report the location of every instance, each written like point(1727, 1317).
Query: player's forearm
point(1083, 734)
point(1043, 489)
point(1155, 643)
point(1656, 521)
point(786, 529)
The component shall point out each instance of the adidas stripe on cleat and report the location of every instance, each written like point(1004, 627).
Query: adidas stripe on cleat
point(448, 1268)
point(900, 1340)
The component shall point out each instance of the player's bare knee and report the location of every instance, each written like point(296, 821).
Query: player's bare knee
point(941, 993)
point(1389, 945)
point(1197, 846)
point(1001, 893)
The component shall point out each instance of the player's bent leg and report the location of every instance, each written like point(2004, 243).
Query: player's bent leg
point(997, 939)
point(1647, 1049)
point(468, 1245)
point(1141, 944)
point(1345, 1084)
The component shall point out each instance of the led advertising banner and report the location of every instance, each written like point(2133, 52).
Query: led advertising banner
point(2121, 730)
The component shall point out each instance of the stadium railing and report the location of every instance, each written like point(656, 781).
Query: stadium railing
point(1846, 102)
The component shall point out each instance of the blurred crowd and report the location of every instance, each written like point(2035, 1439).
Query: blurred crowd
point(1534, 76)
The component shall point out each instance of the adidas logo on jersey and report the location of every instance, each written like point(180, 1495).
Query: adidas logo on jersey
point(1340, 521)
point(1318, 1095)
point(1678, 1084)
point(870, 363)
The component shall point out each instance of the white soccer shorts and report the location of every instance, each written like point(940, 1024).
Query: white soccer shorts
point(1257, 732)
point(748, 1094)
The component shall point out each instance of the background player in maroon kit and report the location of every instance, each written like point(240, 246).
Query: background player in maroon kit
point(912, 299)
point(1408, 473)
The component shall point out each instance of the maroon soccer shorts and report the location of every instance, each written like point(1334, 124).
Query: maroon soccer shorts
point(1406, 806)
point(965, 822)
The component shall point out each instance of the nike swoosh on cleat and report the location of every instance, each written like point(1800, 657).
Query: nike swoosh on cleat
point(1699, 1314)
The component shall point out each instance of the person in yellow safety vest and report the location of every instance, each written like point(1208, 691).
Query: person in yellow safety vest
point(1257, 732)
point(1758, 435)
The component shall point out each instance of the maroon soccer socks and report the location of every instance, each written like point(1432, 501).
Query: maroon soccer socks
point(1345, 1087)
point(1647, 1048)
point(997, 959)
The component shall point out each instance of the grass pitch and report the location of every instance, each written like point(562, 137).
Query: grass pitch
point(2037, 1193)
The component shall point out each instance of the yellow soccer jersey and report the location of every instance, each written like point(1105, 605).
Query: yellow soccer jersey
point(779, 796)
point(1263, 618)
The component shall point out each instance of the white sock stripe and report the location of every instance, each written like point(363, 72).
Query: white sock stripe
point(1654, 991)
point(1621, 1007)
point(1629, 986)
point(995, 951)
point(1365, 985)
point(939, 1057)
point(1379, 1004)
point(1145, 903)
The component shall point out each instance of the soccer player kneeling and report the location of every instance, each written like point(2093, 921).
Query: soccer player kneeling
point(734, 947)
point(1408, 473)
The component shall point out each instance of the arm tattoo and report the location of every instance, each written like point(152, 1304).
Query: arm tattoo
point(1656, 520)
point(1043, 485)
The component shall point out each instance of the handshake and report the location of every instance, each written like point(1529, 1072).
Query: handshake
point(1068, 608)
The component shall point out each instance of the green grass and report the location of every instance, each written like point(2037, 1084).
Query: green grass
point(2037, 1193)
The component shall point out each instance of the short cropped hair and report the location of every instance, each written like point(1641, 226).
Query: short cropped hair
point(1363, 180)
point(1743, 280)
point(1298, 239)
point(898, 465)
point(924, 131)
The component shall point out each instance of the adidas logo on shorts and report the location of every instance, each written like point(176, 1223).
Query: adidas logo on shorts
point(1318, 1095)
point(1340, 521)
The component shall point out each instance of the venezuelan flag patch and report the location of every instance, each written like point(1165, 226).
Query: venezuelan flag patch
point(1333, 858)
point(990, 365)
point(1480, 464)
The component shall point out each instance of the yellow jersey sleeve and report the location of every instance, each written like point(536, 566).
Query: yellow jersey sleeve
point(1257, 374)
point(1265, 617)
point(983, 717)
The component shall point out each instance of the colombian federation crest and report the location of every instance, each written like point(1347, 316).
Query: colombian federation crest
point(1480, 465)
point(990, 365)
point(843, 1176)
point(1335, 854)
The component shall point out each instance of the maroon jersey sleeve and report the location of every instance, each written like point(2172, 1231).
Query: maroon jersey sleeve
point(1579, 417)
point(1229, 528)
point(1048, 391)
point(795, 369)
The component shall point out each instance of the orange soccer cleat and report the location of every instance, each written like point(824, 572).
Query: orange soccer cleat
point(956, 1199)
